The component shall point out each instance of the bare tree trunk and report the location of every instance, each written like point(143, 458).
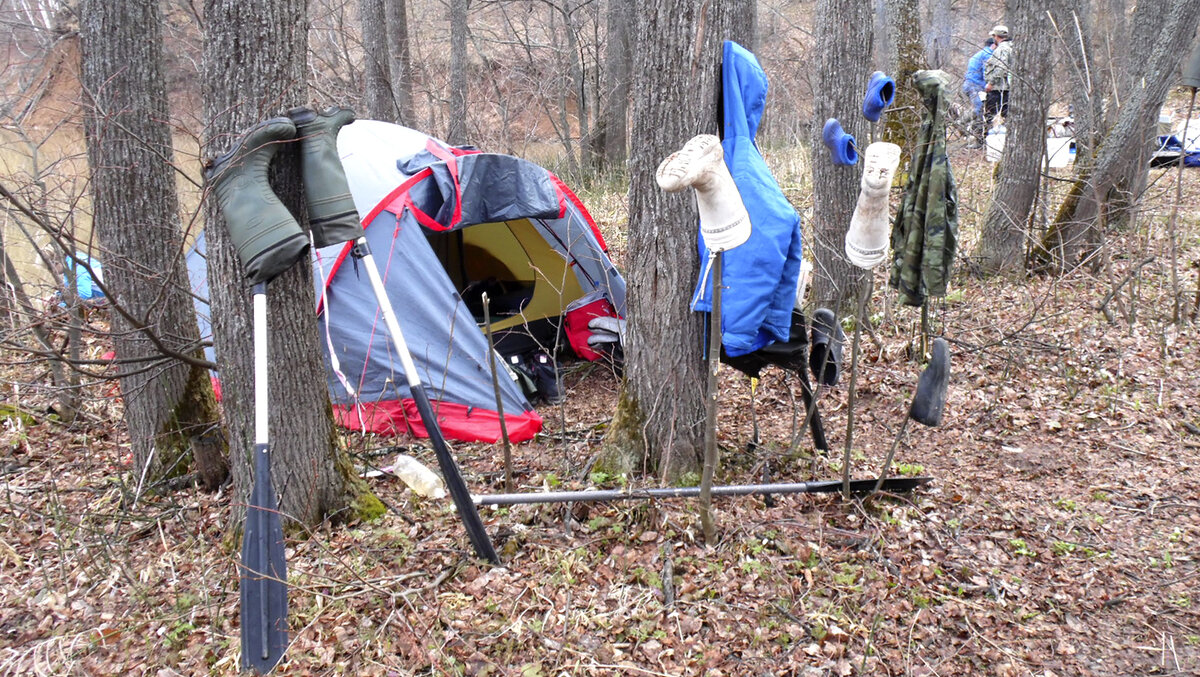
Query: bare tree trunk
point(567, 92)
point(613, 139)
point(254, 66)
point(940, 50)
point(456, 134)
point(572, 25)
point(659, 420)
point(906, 58)
point(1076, 28)
point(1002, 242)
point(843, 58)
point(1124, 196)
point(136, 218)
point(378, 100)
point(401, 69)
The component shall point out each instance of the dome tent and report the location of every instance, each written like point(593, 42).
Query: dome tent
point(445, 224)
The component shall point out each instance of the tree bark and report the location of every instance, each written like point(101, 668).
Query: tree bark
point(659, 421)
point(378, 100)
point(136, 218)
point(940, 49)
point(613, 139)
point(1077, 29)
point(456, 132)
point(254, 67)
point(906, 57)
point(1005, 226)
point(401, 69)
point(842, 68)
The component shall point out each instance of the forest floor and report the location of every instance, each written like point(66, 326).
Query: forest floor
point(1059, 535)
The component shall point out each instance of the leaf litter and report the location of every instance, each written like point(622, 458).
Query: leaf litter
point(1058, 537)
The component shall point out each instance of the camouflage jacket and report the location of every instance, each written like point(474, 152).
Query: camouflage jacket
point(925, 232)
point(997, 70)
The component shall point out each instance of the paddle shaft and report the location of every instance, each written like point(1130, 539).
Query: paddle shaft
point(454, 481)
point(264, 567)
point(262, 428)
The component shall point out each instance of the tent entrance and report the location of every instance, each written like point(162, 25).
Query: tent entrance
point(526, 280)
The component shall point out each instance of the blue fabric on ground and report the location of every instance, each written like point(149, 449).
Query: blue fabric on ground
point(760, 276)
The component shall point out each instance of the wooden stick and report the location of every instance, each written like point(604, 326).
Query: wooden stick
point(487, 323)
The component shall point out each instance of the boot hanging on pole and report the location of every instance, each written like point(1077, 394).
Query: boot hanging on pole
point(842, 147)
point(331, 212)
point(266, 236)
point(700, 164)
point(867, 238)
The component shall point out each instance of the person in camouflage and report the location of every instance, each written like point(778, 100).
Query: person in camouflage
point(925, 232)
point(997, 75)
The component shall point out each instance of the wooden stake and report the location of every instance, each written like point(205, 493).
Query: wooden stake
point(707, 520)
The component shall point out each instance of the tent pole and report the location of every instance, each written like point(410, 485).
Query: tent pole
point(487, 324)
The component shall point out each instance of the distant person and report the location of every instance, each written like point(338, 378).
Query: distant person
point(997, 74)
point(973, 84)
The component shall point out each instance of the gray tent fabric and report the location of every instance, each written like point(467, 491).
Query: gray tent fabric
point(492, 188)
point(447, 347)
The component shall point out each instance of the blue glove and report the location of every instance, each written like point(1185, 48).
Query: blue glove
point(881, 91)
point(841, 144)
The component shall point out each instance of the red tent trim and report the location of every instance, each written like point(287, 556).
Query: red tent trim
point(457, 421)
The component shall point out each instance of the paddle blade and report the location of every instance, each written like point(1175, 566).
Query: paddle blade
point(892, 484)
point(263, 575)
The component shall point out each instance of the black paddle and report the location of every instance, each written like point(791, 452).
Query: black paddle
point(264, 569)
point(454, 481)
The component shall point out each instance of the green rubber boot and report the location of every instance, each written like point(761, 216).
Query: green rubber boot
point(266, 236)
point(331, 212)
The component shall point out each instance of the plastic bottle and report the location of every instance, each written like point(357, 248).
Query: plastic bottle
point(420, 479)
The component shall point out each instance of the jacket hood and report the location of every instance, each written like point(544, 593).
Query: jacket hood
point(744, 91)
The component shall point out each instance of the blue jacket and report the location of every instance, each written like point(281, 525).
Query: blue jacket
point(975, 66)
point(759, 277)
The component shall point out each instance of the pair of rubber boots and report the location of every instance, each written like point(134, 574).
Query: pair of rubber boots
point(266, 236)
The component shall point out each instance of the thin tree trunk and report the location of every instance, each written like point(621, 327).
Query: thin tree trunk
point(378, 100)
point(456, 133)
point(843, 58)
point(614, 136)
point(940, 49)
point(1075, 28)
point(906, 57)
point(401, 69)
point(1002, 242)
point(136, 218)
